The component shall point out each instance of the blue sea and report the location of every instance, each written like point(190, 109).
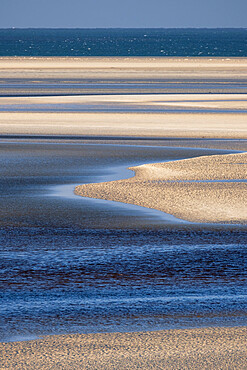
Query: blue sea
point(124, 42)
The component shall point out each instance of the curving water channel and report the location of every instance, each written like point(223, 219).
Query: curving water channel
point(70, 264)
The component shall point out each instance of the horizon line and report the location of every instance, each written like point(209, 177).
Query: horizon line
point(123, 28)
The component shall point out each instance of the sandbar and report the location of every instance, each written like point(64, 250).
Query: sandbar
point(202, 101)
point(123, 67)
point(137, 125)
point(208, 189)
point(32, 71)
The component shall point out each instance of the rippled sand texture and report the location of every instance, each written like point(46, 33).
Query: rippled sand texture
point(210, 348)
point(183, 188)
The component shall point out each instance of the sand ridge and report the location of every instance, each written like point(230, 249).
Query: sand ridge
point(196, 190)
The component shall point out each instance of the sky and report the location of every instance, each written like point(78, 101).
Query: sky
point(123, 13)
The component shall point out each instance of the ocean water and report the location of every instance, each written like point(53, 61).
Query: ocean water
point(124, 42)
point(70, 264)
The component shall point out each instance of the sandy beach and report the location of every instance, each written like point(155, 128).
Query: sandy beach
point(205, 348)
point(206, 189)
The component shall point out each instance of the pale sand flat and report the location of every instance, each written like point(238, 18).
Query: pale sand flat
point(205, 348)
point(163, 186)
point(112, 124)
point(122, 124)
point(131, 68)
point(200, 101)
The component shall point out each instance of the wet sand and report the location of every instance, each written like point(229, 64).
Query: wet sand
point(199, 202)
point(205, 348)
point(184, 188)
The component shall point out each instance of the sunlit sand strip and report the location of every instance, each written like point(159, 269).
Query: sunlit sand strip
point(205, 348)
point(201, 101)
point(170, 187)
point(122, 124)
point(130, 68)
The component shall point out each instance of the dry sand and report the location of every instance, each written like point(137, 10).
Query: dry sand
point(130, 68)
point(170, 187)
point(136, 124)
point(206, 348)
